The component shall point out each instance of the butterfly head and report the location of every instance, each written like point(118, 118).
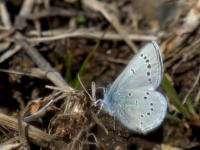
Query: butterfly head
point(107, 101)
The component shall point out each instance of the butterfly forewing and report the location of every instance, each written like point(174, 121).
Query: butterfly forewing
point(144, 70)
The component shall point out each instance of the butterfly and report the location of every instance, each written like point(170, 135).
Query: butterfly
point(132, 98)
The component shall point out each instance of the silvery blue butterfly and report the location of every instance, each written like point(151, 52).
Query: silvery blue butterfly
point(132, 98)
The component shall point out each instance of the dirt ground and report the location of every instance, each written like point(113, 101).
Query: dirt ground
point(46, 45)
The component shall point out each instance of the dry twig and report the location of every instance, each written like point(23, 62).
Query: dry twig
point(96, 5)
point(85, 33)
point(37, 136)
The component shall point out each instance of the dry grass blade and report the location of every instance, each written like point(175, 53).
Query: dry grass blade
point(192, 88)
point(190, 24)
point(8, 143)
point(34, 72)
point(9, 53)
point(93, 91)
point(5, 16)
point(99, 123)
point(91, 34)
point(35, 135)
point(91, 98)
point(38, 114)
point(51, 74)
point(86, 33)
point(96, 5)
point(22, 133)
point(187, 50)
point(56, 11)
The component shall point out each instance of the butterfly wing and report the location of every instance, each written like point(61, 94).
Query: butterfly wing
point(140, 110)
point(132, 98)
point(144, 70)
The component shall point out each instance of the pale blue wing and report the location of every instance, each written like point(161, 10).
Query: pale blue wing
point(132, 98)
point(139, 110)
point(144, 70)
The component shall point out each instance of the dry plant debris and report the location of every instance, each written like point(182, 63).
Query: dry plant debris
point(46, 43)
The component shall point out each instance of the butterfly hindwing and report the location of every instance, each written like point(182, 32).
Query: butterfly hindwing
point(140, 110)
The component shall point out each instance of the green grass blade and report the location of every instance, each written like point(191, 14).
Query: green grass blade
point(68, 76)
point(169, 89)
point(190, 107)
point(76, 83)
point(56, 62)
point(174, 118)
point(195, 117)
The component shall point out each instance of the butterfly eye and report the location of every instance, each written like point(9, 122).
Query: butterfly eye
point(105, 90)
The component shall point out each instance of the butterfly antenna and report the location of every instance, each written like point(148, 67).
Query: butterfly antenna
point(100, 87)
point(85, 89)
point(93, 97)
point(109, 83)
